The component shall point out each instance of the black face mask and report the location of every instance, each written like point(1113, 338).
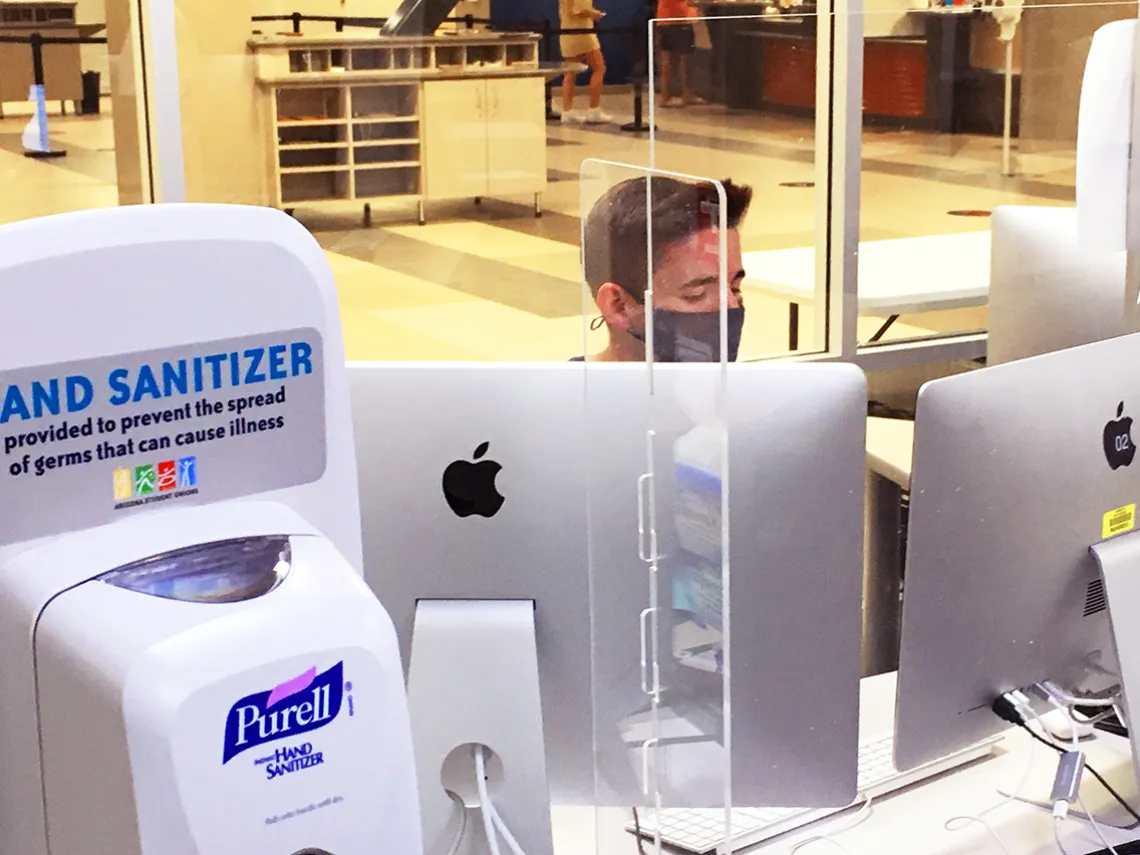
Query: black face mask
point(693, 336)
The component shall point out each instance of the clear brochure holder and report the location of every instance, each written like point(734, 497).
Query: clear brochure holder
point(655, 325)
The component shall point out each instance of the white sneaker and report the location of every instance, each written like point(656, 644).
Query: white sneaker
point(597, 116)
point(572, 117)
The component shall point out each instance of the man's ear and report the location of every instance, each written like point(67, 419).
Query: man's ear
point(616, 306)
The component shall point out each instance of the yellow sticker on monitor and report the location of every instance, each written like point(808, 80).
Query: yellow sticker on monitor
point(1119, 521)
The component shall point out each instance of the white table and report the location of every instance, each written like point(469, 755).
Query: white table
point(896, 277)
point(911, 822)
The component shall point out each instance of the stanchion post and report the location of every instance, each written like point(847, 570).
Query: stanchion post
point(296, 17)
point(36, 41)
point(638, 125)
point(548, 56)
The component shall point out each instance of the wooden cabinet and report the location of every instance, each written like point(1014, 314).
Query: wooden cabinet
point(456, 140)
point(484, 137)
point(516, 137)
point(370, 119)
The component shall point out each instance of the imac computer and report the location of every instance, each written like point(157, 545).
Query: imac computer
point(1047, 292)
point(484, 486)
point(1023, 503)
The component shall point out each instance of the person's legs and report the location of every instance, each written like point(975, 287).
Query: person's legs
point(597, 65)
point(568, 91)
point(683, 67)
point(666, 77)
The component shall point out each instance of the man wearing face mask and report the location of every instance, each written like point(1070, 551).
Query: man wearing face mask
point(685, 269)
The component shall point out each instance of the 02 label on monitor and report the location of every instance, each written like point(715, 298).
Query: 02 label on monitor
point(1119, 521)
point(87, 442)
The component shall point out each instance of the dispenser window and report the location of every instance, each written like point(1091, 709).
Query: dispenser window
point(226, 571)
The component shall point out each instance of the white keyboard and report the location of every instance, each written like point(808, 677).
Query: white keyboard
point(701, 830)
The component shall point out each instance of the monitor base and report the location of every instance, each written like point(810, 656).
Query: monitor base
point(472, 684)
point(1118, 560)
point(1132, 847)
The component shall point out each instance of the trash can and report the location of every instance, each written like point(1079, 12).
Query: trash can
point(90, 103)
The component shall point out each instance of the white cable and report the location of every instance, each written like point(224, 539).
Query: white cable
point(485, 807)
point(859, 818)
point(1057, 835)
point(1058, 695)
point(1059, 816)
point(1096, 827)
point(958, 823)
point(1096, 719)
point(822, 838)
point(1074, 739)
point(978, 819)
point(1032, 718)
point(491, 819)
point(455, 844)
point(512, 844)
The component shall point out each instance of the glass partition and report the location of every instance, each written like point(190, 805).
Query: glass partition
point(62, 141)
point(658, 250)
point(442, 176)
point(967, 108)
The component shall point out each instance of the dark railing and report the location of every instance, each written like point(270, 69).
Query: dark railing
point(36, 42)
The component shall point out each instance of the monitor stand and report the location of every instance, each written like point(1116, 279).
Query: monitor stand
point(1119, 562)
point(473, 683)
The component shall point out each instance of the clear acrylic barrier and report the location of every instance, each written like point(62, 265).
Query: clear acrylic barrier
point(660, 265)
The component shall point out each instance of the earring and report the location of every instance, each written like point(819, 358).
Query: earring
point(596, 323)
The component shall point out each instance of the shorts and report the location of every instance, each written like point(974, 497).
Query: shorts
point(677, 38)
point(577, 45)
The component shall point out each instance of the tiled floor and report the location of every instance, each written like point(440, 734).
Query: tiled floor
point(492, 282)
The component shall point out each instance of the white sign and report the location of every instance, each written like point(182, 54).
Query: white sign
point(85, 442)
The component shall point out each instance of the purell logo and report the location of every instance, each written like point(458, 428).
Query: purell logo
point(297, 706)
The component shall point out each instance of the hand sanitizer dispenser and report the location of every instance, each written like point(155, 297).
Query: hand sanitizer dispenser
point(190, 661)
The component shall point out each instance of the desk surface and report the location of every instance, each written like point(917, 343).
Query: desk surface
point(912, 821)
point(899, 276)
point(890, 449)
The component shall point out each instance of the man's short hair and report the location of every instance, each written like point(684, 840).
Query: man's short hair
point(615, 235)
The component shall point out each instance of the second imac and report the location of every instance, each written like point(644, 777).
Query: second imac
point(1023, 474)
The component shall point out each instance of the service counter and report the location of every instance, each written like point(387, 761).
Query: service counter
point(924, 79)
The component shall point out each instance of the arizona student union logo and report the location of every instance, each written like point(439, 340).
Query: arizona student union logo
point(305, 703)
point(152, 478)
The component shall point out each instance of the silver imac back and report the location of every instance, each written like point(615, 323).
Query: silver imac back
point(797, 463)
point(1046, 292)
point(1017, 470)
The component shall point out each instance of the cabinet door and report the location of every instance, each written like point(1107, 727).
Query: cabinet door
point(516, 136)
point(455, 139)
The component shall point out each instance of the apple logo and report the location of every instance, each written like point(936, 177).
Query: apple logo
point(470, 487)
point(1118, 445)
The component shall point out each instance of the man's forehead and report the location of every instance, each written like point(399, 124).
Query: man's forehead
point(701, 249)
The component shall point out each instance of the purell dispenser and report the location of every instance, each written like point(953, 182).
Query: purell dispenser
point(190, 661)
